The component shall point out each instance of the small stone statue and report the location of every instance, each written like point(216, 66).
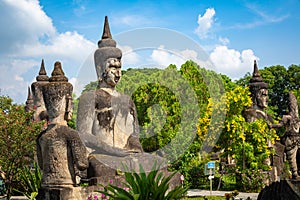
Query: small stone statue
point(60, 151)
point(292, 141)
point(42, 79)
point(259, 96)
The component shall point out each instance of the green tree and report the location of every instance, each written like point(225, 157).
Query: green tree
point(244, 141)
point(17, 144)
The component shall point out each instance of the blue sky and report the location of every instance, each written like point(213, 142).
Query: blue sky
point(232, 33)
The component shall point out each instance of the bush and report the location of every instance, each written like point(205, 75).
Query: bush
point(140, 186)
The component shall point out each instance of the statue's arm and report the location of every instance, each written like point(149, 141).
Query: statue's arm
point(85, 113)
point(39, 154)
point(100, 147)
point(283, 122)
point(134, 139)
point(79, 152)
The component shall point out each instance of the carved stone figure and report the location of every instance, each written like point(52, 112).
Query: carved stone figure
point(29, 102)
point(60, 151)
point(40, 112)
point(292, 137)
point(107, 119)
point(107, 122)
point(259, 96)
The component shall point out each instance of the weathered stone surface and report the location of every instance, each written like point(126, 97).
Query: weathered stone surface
point(110, 168)
point(65, 192)
point(61, 155)
point(107, 122)
point(106, 119)
point(283, 190)
point(29, 102)
point(259, 96)
point(40, 112)
point(292, 137)
point(60, 151)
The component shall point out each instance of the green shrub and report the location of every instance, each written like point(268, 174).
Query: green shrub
point(31, 181)
point(140, 186)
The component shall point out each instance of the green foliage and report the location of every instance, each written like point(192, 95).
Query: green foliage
point(72, 122)
point(196, 78)
point(166, 105)
point(244, 141)
point(91, 86)
point(31, 181)
point(140, 186)
point(17, 143)
point(254, 180)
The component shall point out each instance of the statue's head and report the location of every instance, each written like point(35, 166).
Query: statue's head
point(108, 58)
point(58, 94)
point(258, 89)
point(36, 87)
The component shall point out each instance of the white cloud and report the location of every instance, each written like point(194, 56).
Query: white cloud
point(68, 45)
point(29, 35)
point(224, 41)
point(130, 57)
point(130, 20)
point(12, 82)
point(231, 62)
point(205, 23)
point(164, 57)
point(24, 22)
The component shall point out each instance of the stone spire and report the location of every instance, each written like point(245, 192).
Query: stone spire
point(106, 39)
point(106, 49)
point(257, 81)
point(42, 73)
point(58, 74)
point(29, 102)
point(106, 30)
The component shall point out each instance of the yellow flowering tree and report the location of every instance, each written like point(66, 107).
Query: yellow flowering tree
point(246, 142)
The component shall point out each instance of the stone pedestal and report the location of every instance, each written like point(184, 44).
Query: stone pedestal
point(60, 193)
point(104, 169)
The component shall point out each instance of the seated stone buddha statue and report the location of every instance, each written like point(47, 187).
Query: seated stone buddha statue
point(107, 119)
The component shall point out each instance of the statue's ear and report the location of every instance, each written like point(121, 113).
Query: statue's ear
point(104, 75)
point(69, 108)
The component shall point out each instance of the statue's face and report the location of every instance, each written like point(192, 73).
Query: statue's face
point(262, 98)
point(112, 72)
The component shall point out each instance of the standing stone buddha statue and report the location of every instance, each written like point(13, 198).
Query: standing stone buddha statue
point(60, 151)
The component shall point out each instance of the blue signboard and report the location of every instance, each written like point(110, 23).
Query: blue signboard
point(211, 165)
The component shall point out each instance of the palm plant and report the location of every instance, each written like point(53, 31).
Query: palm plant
point(31, 181)
point(140, 186)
